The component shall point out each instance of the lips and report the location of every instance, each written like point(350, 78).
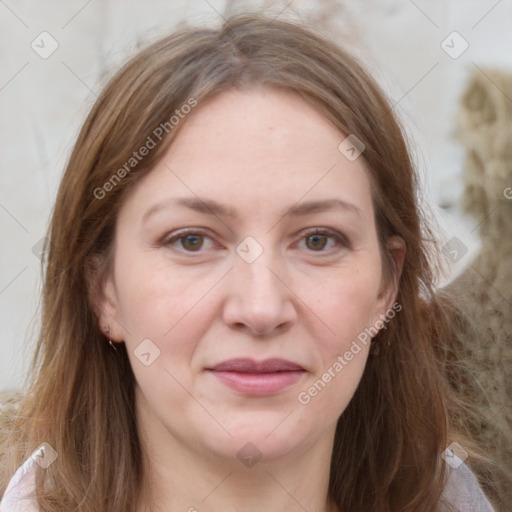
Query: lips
point(258, 378)
point(252, 366)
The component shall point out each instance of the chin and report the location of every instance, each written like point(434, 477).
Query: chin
point(261, 438)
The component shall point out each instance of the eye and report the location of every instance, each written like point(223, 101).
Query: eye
point(189, 240)
point(317, 240)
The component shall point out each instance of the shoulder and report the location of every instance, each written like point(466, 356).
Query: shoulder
point(20, 493)
point(463, 492)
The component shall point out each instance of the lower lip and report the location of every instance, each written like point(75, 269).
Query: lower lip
point(259, 384)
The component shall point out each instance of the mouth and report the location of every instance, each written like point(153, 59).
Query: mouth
point(258, 378)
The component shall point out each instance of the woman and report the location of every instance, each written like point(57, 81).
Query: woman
point(232, 315)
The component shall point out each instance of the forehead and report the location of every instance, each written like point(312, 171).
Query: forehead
point(256, 122)
point(257, 149)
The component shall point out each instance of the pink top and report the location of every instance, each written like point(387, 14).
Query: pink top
point(462, 490)
point(20, 493)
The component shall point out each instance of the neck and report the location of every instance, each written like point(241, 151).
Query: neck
point(233, 490)
point(181, 478)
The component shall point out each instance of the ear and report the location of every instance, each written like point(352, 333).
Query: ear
point(103, 297)
point(396, 248)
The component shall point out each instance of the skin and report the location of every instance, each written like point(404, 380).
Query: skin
point(260, 151)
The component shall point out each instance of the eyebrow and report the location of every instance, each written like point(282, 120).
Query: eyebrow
point(211, 207)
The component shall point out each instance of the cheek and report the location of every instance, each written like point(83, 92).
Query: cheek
point(160, 304)
point(174, 310)
point(347, 305)
point(155, 297)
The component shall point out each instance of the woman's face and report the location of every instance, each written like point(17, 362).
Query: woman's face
point(252, 240)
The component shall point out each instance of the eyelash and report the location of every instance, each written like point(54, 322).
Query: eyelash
point(341, 239)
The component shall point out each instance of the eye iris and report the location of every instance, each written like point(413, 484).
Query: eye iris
point(318, 241)
point(195, 241)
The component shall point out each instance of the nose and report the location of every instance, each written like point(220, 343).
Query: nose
point(259, 300)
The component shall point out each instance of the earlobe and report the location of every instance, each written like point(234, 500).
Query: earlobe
point(103, 299)
point(108, 312)
point(396, 248)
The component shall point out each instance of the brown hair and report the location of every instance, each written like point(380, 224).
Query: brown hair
point(388, 444)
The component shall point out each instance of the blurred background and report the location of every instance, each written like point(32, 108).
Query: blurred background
point(56, 55)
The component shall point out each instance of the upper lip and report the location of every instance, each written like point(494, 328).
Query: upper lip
point(247, 365)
